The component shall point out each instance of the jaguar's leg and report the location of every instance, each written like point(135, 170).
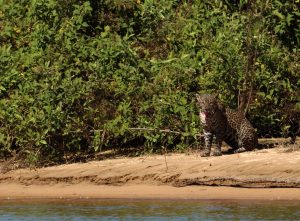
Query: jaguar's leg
point(208, 137)
point(217, 151)
point(242, 147)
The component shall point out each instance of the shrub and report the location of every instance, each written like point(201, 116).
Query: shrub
point(78, 76)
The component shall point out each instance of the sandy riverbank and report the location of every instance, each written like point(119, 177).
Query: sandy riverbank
point(251, 175)
point(142, 191)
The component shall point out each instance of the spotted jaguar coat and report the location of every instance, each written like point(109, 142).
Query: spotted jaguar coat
point(226, 125)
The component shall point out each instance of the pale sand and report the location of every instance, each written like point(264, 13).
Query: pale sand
point(178, 176)
point(90, 191)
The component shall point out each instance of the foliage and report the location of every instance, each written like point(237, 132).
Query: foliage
point(76, 75)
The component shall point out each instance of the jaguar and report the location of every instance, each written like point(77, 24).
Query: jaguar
point(226, 125)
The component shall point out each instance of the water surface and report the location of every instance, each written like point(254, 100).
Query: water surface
point(149, 210)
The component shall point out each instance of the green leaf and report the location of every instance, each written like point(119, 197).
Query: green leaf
point(43, 142)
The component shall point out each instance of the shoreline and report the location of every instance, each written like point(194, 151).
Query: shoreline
point(269, 174)
point(88, 191)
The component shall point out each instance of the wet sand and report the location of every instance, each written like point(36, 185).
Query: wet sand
point(91, 191)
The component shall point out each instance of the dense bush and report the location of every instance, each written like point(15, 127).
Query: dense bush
point(76, 75)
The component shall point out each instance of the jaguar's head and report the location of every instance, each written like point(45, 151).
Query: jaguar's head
point(207, 103)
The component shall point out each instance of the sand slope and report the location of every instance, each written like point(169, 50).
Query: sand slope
point(259, 169)
point(265, 168)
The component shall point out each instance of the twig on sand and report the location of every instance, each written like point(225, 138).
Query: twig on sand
point(165, 152)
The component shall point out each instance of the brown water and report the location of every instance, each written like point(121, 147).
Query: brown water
point(149, 210)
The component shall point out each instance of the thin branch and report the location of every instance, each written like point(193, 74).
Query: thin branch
point(154, 130)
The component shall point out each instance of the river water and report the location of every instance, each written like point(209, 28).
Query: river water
point(148, 210)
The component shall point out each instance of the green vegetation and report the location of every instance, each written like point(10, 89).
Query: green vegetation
point(75, 75)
